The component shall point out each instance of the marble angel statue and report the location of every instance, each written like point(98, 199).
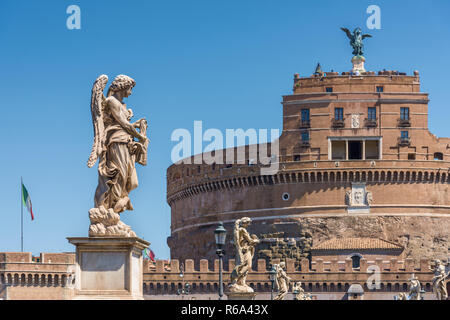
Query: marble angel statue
point(414, 291)
point(299, 292)
point(118, 145)
point(282, 281)
point(439, 280)
point(245, 249)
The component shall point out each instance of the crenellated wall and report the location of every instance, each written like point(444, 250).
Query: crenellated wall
point(319, 277)
point(21, 278)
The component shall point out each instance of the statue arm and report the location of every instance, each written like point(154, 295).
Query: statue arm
point(249, 239)
point(114, 107)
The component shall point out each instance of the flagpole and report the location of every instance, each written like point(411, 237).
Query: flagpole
point(21, 214)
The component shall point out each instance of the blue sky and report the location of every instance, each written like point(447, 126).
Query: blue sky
point(226, 63)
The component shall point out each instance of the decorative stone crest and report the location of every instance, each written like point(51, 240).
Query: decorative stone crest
point(358, 198)
point(355, 121)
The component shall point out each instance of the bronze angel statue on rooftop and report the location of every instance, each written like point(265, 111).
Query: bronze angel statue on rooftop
point(356, 40)
point(118, 145)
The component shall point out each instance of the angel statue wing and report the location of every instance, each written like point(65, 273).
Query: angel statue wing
point(349, 34)
point(366, 36)
point(97, 99)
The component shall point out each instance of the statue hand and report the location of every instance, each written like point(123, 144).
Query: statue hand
point(138, 123)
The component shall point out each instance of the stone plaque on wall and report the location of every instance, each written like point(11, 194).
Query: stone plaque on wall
point(355, 121)
point(358, 199)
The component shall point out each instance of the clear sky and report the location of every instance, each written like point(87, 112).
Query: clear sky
point(226, 63)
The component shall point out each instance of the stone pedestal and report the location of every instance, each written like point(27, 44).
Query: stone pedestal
point(108, 268)
point(358, 64)
point(240, 295)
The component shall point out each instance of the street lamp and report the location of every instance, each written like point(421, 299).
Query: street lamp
point(272, 275)
point(220, 234)
point(422, 294)
point(185, 288)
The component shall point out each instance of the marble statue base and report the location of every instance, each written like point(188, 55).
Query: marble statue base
point(240, 295)
point(358, 64)
point(108, 268)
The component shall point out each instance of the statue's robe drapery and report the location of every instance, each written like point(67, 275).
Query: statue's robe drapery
point(116, 173)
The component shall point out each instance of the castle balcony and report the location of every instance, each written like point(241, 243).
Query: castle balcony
point(338, 123)
point(305, 143)
point(404, 123)
point(404, 141)
point(371, 123)
point(305, 124)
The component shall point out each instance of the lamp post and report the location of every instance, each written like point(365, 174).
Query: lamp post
point(272, 275)
point(220, 234)
point(296, 292)
point(422, 294)
point(185, 288)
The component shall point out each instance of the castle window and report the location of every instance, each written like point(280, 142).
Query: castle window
point(372, 149)
point(356, 261)
point(404, 135)
point(411, 156)
point(329, 89)
point(297, 157)
point(339, 114)
point(338, 150)
point(404, 113)
point(305, 115)
point(305, 136)
point(372, 113)
point(380, 89)
point(438, 156)
point(305, 118)
point(355, 150)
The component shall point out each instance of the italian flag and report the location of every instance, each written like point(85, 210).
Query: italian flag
point(27, 201)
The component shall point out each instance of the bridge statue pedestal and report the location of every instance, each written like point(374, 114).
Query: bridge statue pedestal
point(240, 295)
point(108, 268)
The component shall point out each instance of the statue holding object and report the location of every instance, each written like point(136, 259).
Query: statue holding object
point(245, 249)
point(118, 145)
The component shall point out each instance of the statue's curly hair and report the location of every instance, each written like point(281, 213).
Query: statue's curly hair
point(121, 82)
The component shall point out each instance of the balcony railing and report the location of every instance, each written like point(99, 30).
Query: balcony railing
point(305, 124)
point(404, 123)
point(338, 123)
point(305, 143)
point(404, 141)
point(371, 123)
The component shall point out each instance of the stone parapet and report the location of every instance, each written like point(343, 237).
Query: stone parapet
point(315, 277)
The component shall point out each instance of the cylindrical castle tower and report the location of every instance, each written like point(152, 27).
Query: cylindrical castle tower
point(356, 159)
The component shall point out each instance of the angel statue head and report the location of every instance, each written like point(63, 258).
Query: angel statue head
point(121, 83)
